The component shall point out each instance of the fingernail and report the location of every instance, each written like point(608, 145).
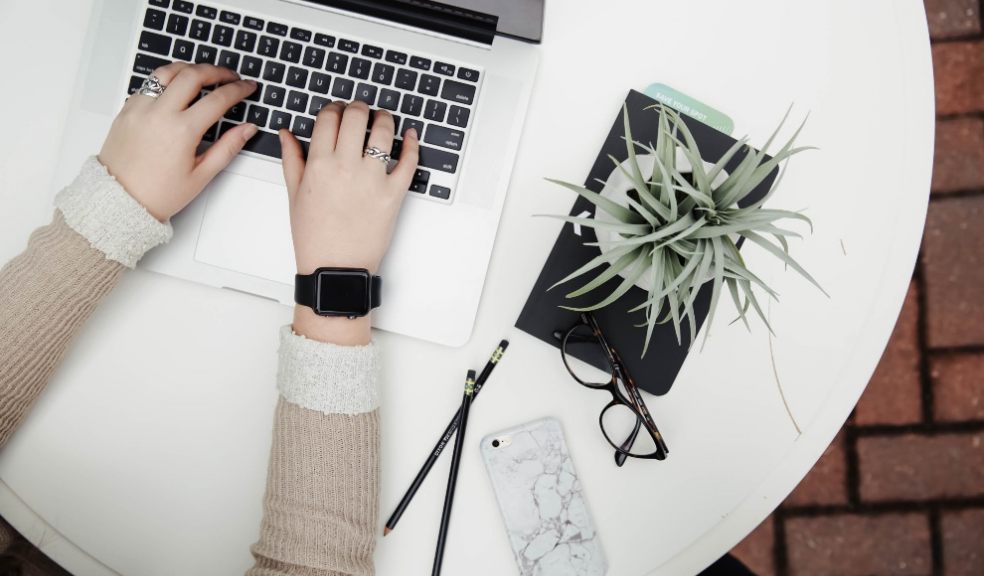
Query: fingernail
point(412, 132)
point(250, 131)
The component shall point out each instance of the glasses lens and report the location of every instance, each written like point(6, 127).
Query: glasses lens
point(583, 355)
point(625, 430)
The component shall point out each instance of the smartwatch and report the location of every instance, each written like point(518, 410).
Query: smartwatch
point(348, 292)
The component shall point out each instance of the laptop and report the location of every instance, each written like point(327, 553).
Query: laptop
point(461, 73)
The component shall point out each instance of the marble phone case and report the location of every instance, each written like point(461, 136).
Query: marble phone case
point(542, 505)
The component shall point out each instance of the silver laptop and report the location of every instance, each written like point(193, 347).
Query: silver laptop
point(461, 75)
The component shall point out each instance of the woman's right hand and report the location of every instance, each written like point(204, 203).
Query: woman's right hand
point(343, 205)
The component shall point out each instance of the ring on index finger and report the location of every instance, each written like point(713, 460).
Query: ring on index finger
point(377, 154)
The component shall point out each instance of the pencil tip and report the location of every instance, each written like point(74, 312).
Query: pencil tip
point(386, 531)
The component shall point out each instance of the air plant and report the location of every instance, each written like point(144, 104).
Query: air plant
point(684, 231)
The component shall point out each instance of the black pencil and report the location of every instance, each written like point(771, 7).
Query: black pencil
point(442, 442)
point(459, 443)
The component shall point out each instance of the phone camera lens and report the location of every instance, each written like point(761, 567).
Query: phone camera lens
point(495, 443)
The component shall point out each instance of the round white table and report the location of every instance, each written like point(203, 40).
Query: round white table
point(147, 454)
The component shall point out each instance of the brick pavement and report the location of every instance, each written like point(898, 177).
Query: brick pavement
point(901, 489)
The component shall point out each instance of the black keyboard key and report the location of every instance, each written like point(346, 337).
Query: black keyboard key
point(200, 30)
point(279, 120)
point(135, 83)
point(251, 65)
point(258, 115)
point(359, 68)
point(317, 103)
point(268, 47)
point(396, 149)
point(412, 105)
point(458, 92)
point(366, 93)
point(230, 18)
point(468, 74)
point(245, 41)
point(389, 99)
point(435, 111)
point(222, 35)
point(409, 123)
point(319, 83)
point(161, 3)
point(382, 73)
point(156, 43)
point(264, 143)
point(205, 55)
point(297, 101)
point(444, 68)
point(396, 124)
point(146, 65)
point(206, 12)
point(458, 116)
point(348, 45)
point(421, 63)
point(253, 23)
point(437, 159)
point(444, 137)
point(255, 95)
point(300, 34)
point(182, 6)
point(177, 24)
point(237, 112)
point(274, 71)
point(428, 84)
point(406, 79)
point(303, 126)
point(336, 63)
point(212, 134)
point(342, 88)
point(274, 96)
point(396, 57)
point(314, 57)
point(441, 192)
point(372, 51)
point(418, 187)
point(230, 60)
point(278, 29)
point(297, 77)
point(324, 40)
point(154, 19)
point(291, 52)
point(421, 175)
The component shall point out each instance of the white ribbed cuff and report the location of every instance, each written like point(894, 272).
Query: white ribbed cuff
point(326, 377)
point(97, 207)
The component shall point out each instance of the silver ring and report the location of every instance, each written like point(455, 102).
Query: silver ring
point(383, 157)
point(152, 87)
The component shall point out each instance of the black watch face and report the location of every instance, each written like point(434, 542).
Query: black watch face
point(343, 292)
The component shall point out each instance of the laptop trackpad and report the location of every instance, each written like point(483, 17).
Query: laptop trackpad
point(246, 228)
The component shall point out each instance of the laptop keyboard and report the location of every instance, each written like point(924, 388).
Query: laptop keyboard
point(300, 70)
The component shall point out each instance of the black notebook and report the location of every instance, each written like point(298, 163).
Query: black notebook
point(542, 315)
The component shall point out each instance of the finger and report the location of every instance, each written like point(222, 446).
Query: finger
point(402, 175)
point(222, 152)
point(293, 160)
point(325, 133)
point(209, 109)
point(381, 135)
point(165, 74)
point(189, 81)
point(352, 132)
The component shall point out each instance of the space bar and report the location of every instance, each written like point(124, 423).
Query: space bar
point(266, 143)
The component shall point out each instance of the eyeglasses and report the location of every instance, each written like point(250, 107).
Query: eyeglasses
point(626, 415)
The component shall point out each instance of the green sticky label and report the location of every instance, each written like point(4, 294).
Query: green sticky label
point(691, 107)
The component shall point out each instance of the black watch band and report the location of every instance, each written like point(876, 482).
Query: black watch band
point(349, 292)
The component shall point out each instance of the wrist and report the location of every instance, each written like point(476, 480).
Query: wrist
point(332, 329)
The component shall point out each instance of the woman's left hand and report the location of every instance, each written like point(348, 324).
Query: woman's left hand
point(152, 146)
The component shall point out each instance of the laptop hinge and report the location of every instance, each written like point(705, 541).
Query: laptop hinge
point(425, 14)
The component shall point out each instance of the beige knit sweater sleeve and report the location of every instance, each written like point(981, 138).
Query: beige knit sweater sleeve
point(320, 505)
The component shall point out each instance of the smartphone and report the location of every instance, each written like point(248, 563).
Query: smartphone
point(541, 501)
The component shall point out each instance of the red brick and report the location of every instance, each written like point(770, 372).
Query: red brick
point(953, 266)
point(827, 482)
point(959, 158)
point(758, 548)
point(853, 545)
point(894, 394)
point(917, 467)
point(959, 71)
point(949, 18)
point(958, 387)
point(963, 535)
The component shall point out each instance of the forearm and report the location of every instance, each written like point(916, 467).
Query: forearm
point(50, 290)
